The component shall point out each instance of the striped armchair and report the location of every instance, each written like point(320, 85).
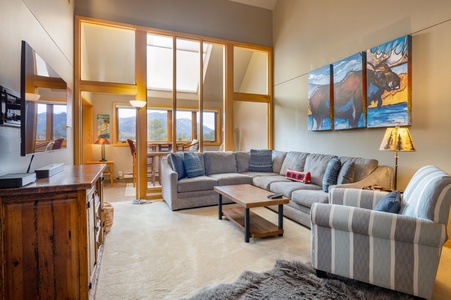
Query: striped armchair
point(395, 251)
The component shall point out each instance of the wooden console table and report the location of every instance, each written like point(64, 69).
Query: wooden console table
point(52, 236)
point(108, 171)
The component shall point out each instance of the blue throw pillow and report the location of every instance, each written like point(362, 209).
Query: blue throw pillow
point(331, 174)
point(193, 166)
point(391, 203)
point(177, 164)
point(260, 160)
point(347, 173)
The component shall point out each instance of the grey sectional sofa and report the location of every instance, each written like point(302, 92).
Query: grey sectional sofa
point(229, 168)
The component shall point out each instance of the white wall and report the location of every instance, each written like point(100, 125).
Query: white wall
point(311, 34)
point(48, 27)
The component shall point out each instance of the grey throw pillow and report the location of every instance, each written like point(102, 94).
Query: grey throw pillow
point(390, 203)
point(347, 173)
point(177, 164)
point(331, 174)
point(260, 160)
point(193, 166)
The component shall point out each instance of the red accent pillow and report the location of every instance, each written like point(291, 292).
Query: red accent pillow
point(303, 177)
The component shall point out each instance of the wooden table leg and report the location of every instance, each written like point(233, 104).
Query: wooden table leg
point(280, 218)
point(247, 230)
point(220, 206)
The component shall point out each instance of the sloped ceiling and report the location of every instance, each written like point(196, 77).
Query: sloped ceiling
point(268, 4)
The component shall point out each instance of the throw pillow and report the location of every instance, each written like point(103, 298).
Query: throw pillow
point(391, 203)
point(331, 175)
point(260, 160)
point(347, 173)
point(176, 160)
point(193, 166)
point(303, 177)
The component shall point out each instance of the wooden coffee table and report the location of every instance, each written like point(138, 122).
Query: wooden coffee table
point(249, 196)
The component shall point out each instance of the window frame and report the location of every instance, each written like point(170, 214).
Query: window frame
point(192, 109)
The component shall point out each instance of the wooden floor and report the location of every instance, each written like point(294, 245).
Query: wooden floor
point(442, 288)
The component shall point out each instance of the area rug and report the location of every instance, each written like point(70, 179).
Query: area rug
point(294, 280)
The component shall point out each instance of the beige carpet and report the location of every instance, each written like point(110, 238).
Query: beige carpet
point(152, 252)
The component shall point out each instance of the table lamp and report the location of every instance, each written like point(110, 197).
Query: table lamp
point(103, 142)
point(397, 139)
point(138, 104)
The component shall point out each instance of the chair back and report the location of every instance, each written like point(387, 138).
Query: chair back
point(194, 146)
point(132, 146)
point(428, 195)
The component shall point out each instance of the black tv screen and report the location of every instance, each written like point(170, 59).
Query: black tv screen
point(43, 105)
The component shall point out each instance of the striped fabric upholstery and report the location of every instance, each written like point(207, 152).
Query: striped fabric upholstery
point(399, 252)
point(428, 195)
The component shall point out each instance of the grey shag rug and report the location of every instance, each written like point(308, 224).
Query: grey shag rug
point(295, 280)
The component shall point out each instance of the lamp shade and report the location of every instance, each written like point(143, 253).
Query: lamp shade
point(102, 141)
point(138, 103)
point(397, 139)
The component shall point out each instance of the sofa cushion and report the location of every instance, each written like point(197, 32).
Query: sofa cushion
point(363, 166)
point(176, 161)
point(219, 162)
point(286, 188)
point(347, 173)
point(242, 161)
point(389, 203)
point(293, 160)
point(316, 164)
point(306, 198)
point(200, 183)
point(231, 178)
point(193, 165)
point(260, 160)
point(331, 175)
point(277, 160)
point(264, 182)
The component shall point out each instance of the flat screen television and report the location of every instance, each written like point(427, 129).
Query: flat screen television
point(43, 110)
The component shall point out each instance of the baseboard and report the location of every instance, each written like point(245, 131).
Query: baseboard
point(448, 244)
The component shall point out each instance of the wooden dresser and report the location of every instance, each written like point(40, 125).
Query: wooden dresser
point(52, 236)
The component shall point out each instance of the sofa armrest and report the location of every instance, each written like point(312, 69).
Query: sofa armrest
point(382, 176)
point(169, 180)
point(355, 197)
point(378, 224)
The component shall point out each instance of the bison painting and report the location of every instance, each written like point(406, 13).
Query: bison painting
point(319, 95)
point(349, 92)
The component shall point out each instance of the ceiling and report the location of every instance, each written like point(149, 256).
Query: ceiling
point(268, 4)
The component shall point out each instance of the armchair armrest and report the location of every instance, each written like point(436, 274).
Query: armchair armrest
point(377, 224)
point(355, 197)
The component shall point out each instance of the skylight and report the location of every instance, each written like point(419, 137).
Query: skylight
point(160, 63)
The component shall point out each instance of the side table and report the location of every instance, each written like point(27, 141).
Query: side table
point(108, 171)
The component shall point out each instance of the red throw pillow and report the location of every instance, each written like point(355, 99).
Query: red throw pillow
point(303, 177)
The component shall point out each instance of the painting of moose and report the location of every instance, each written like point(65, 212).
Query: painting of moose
point(349, 92)
point(389, 83)
point(320, 115)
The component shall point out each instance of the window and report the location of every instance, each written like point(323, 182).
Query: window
point(157, 124)
point(126, 123)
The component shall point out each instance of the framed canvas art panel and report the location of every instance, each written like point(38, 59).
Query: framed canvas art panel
point(389, 83)
point(320, 106)
point(349, 92)
point(103, 126)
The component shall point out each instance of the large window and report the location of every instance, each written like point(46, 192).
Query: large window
point(157, 124)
